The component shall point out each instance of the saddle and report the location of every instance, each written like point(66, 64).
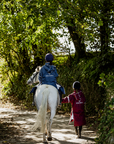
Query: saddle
point(59, 87)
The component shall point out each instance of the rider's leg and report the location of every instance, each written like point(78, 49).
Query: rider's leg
point(60, 97)
point(33, 103)
point(33, 91)
point(60, 94)
point(61, 91)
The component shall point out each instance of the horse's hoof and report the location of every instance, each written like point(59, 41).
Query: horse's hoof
point(49, 138)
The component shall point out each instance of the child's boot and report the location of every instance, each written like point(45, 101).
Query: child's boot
point(79, 135)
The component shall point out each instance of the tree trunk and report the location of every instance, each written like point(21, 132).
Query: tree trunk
point(104, 29)
point(77, 40)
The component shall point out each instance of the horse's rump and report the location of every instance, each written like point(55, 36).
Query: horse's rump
point(46, 96)
point(53, 98)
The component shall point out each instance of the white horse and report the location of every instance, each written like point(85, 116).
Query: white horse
point(46, 100)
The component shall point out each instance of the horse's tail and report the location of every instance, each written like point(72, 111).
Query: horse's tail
point(41, 116)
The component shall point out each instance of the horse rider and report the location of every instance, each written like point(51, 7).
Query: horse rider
point(48, 75)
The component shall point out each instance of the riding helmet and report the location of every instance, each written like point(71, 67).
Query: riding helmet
point(76, 85)
point(49, 57)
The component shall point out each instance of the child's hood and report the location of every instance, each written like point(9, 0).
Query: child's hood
point(49, 67)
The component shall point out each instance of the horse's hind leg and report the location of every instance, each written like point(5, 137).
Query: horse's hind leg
point(45, 133)
point(49, 131)
point(49, 125)
point(49, 138)
point(46, 125)
point(44, 136)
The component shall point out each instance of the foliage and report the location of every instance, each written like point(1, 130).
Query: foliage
point(30, 24)
point(24, 40)
point(14, 84)
point(106, 126)
point(69, 72)
point(95, 64)
point(107, 81)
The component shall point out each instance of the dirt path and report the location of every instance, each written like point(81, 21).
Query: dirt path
point(15, 124)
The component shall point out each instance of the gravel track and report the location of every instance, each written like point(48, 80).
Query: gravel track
point(15, 129)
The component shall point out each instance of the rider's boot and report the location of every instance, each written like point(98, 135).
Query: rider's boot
point(60, 104)
point(33, 103)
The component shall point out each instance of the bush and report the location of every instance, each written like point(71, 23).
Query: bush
point(17, 87)
point(106, 126)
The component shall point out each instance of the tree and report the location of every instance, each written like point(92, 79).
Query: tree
point(26, 29)
point(82, 18)
point(25, 39)
point(65, 14)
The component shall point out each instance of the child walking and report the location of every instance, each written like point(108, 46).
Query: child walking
point(77, 100)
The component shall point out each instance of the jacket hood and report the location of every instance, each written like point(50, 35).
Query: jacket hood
point(48, 67)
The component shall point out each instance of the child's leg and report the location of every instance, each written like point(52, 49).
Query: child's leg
point(76, 130)
point(80, 129)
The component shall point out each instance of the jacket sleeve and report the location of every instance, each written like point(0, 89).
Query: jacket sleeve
point(65, 100)
point(69, 99)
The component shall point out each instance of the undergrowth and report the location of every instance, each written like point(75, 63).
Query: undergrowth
point(106, 120)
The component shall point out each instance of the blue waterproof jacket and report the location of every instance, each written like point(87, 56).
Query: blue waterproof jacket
point(48, 75)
